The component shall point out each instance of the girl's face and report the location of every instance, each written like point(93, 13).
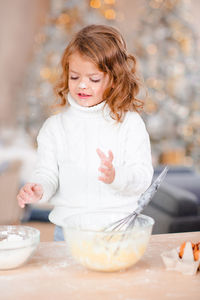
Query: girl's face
point(86, 83)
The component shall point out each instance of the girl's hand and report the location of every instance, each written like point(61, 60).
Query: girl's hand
point(29, 193)
point(106, 167)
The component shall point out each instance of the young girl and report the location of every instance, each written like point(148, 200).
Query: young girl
point(95, 154)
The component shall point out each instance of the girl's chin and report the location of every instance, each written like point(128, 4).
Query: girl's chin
point(85, 103)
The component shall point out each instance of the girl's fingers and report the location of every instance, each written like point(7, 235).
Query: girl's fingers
point(105, 158)
point(23, 195)
point(105, 171)
point(105, 179)
point(107, 164)
point(28, 189)
point(21, 205)
point(101, 154)
point(110, 156)
point(106, 167)
point(102, 179)
point(26, 197)
point(37, 189)
point(30, 193)
point(20, 202)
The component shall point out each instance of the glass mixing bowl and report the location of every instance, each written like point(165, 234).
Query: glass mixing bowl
point(17, 244)
point(101, 250)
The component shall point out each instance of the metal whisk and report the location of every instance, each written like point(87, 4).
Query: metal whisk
point(128, 222)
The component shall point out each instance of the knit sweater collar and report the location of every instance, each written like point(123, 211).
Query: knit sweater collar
point(92, 111)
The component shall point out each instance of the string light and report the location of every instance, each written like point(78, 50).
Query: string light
point(95, 3)
point(106, 8)
point(109, 2)
point(45, 73)
point(152, 49)
point(110, 14)
point(63, 19)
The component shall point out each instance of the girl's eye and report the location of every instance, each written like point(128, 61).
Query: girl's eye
point(73, 78)
point(95, 80)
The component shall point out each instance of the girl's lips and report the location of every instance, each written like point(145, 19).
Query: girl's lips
point(82, 95)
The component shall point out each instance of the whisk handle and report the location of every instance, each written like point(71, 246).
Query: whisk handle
point(148, 195)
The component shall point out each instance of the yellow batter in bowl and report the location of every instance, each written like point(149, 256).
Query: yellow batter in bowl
point(106, 251)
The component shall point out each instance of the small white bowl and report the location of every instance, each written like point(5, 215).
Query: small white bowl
point(106, 251)
point(17, 244)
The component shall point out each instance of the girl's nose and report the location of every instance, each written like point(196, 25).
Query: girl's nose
point(82, 85)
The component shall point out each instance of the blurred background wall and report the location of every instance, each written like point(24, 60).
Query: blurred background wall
point(20, 20)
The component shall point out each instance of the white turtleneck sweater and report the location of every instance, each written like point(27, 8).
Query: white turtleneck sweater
point(67, 165)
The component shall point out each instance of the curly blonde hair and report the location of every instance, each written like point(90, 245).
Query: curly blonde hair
point(106, 48)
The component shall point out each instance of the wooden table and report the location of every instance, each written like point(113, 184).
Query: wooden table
point(52, 274)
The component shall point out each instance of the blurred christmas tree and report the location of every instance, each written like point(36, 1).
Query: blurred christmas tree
point(64, 18)
point(167, 47)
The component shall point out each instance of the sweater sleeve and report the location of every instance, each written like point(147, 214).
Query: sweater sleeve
point(46, 171)
point(135, 173)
